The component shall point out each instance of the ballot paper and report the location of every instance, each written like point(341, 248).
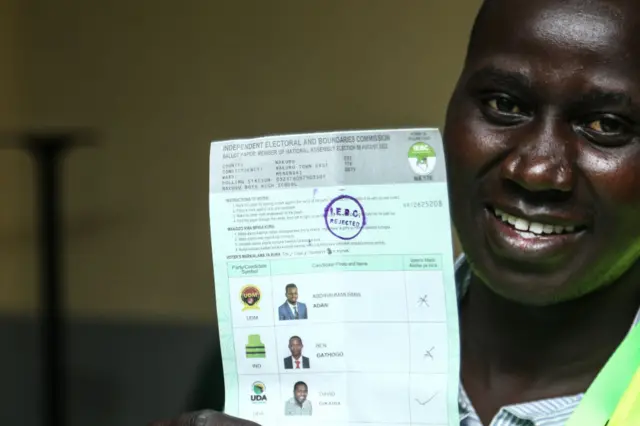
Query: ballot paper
point(334, 278)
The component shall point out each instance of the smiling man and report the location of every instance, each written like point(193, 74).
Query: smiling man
point(543, 142)
point(542, 139)
point(299, 405)
point(291, 309)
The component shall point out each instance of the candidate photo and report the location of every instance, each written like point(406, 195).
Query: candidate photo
point(298, 405)
point(291, 309)
point(296, 361)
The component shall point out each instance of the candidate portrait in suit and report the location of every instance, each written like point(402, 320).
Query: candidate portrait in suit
point(296, 361)
point(291, 309)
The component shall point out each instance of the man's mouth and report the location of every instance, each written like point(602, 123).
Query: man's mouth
point(532, 227)
point(540, 238)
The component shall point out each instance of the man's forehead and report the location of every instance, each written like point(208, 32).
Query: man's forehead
point(586, 20)
point(604, 28)
point(568, 26)
point(604, 7)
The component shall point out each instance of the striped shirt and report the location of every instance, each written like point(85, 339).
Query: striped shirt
point(545, 412)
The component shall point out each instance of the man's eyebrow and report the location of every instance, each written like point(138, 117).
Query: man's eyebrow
point(500, 78)
point(597, 97)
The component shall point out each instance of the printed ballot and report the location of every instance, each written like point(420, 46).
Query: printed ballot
point(334, 278)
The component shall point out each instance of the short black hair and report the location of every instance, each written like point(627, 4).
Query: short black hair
point(294, 337)
point(286, 289)
point(299, 384)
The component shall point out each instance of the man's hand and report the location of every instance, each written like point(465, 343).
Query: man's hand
point(205, 418)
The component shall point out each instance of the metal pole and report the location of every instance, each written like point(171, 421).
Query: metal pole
point(47, 152)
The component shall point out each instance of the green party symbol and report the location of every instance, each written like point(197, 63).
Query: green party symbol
point(255, 348)
point(422, 158)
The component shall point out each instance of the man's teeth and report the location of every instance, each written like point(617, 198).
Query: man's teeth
point(533, 227)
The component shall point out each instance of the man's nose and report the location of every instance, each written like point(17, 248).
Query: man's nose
point(542, 160)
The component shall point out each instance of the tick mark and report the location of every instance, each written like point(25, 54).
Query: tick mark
point(427, 400)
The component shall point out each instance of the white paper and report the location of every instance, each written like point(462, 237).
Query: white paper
point(359, 222)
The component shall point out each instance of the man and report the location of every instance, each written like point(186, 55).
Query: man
point(292, 309)
point(542, 139)
point(298, 405)
point(296, 361)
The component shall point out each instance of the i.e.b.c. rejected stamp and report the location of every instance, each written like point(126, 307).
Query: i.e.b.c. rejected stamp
point(344, 217)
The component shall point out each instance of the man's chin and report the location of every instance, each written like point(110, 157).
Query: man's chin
point(535, 288)
point(541, 296)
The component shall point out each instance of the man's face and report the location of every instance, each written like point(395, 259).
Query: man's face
point(542, 139)
point(292, 295)
point(295, 346)
point(300, 393)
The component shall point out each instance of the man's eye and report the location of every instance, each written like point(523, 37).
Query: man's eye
point(609, 130)
point(606, 125)
point(504, 105)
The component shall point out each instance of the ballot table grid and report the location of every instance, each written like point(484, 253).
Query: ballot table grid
point(360, 323)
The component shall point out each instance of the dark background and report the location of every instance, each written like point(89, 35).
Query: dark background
point(158, 80)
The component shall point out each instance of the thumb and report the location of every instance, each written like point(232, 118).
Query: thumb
point(204, 418)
